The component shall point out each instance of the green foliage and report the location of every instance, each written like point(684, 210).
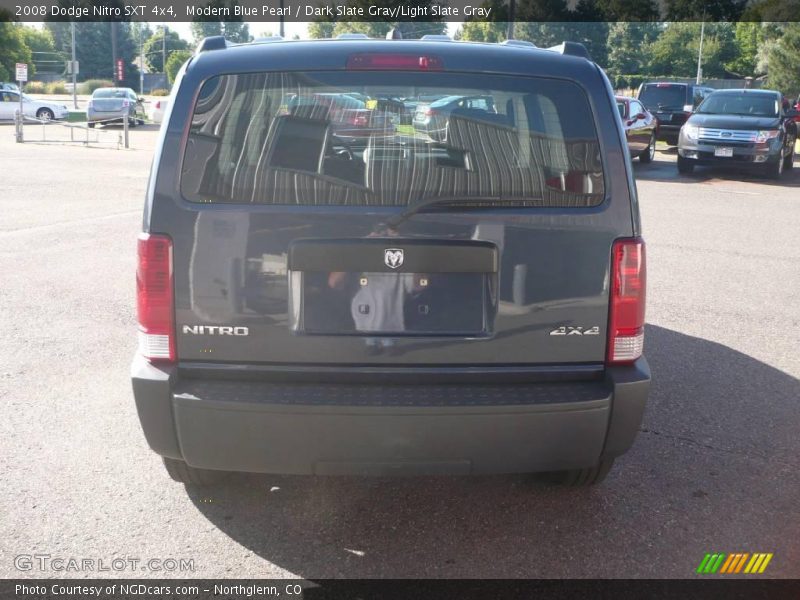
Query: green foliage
point(38, 40)
point(56, 87)
point(482, 31)
point(319, 30)
point(675, 52)
point(153, 48)
point(236, 31)
point(34, 87)
point(784, 62)
point(160, 91)
point(625, 45)
point(175, 62)
point(13, 50)
point(748, 37)
point(90, 85)
point(93, 48)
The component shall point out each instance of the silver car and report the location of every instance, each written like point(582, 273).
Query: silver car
point(112, 105)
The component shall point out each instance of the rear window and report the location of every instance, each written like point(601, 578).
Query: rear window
point(666, 96)
point(352, 138)
point(110, 93)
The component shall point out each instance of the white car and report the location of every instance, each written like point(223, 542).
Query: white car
point(38, 109)
point(157, 108)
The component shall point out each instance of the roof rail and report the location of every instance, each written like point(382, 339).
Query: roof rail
point(520, 43)
point(268, 38)
point(352, 36)
point(394, 34)
point(436, 37)
point(572, 49)
point(214, 42)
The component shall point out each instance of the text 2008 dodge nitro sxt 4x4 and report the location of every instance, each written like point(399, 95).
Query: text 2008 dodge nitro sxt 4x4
point(324, 289)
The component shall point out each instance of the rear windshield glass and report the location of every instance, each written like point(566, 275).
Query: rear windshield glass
point(109, 93)
point(655, 96)
point(758, 105)
point(391, 139)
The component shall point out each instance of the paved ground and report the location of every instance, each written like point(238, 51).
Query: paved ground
point(715, 468)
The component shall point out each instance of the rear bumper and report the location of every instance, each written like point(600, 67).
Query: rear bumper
point(307, 428)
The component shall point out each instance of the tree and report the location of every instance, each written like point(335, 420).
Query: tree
point(482, 31)
point(13, 50)
point(153, 47)
point(325, 28)
point(748, 38)
point(625, 44)
point(674, 53)
point(784, 57)
point(235, 30)
point(175, 62)
point(93, 48)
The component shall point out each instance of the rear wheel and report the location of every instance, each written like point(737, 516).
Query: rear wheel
point(182, 473)
point(649, 152)
point(90, 125)
point(582, 477)
point(685, 165)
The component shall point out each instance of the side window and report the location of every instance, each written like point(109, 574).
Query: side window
point(636, 108)
point(621, 109)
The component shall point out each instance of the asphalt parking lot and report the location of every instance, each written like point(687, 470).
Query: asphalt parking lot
point(714, 469)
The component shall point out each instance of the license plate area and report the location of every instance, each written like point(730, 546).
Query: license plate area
point(390, 287)
point(724, 151)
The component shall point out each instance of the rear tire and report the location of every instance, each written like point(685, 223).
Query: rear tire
point(90, 125)
point(649, 153)
point(182, 473)
point(788, 161)
point(582, 477)
point(685, 165)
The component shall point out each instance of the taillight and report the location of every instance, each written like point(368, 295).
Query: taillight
point(158, 104)
point(627, 301)
point(411, 62)
point(154, 298)
point(429, 111)
point(125, 104)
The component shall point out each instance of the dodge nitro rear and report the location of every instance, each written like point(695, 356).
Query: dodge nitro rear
point(325, 288)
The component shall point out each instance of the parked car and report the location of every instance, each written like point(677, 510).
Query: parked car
point(310, 307)
point(432, 119)
point(671, 103)
point(38, 109)
point(640, 128)
point(157, 108)
point(745, 128)
point(5, 85)
point(112, 105)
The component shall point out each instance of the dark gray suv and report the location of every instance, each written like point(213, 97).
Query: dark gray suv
point(407, 305)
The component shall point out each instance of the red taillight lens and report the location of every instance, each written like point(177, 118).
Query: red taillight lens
point(154, 297)
point(158, 104)
point(429, 111)
point(411, 62)
point(627, 301)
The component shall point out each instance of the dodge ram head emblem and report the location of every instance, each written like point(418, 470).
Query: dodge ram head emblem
point(393, 257)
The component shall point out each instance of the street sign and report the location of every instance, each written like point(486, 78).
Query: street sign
point(22, 72)
point(73, 67)
point(120, 69)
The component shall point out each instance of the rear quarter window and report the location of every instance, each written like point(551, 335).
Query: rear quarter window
point(352, 138)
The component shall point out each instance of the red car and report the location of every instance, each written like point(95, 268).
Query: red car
point(640, 128)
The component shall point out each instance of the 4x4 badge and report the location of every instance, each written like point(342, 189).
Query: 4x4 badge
point(568, 330)
point(393, 257)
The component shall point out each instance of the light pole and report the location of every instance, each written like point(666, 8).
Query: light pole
point(72, 68)
point(700, 53)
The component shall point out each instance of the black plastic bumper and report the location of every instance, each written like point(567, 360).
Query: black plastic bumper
point(312, 428)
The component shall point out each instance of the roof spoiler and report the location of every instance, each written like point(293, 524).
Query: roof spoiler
point(572, 49)
point(214, 42)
